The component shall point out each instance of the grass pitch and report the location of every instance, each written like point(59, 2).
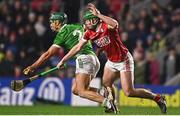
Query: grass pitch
point(47, 109)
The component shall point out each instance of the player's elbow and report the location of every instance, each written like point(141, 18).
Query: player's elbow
point(115, 24)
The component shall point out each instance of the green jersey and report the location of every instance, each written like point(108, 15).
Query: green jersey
point(69, 35)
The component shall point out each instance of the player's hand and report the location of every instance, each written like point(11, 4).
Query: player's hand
point(93, 9)
point(28, 70)
point(60, 64)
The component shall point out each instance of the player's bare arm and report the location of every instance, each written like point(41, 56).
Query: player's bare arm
point(110, 21)
point(42, 59)
point(72, 52)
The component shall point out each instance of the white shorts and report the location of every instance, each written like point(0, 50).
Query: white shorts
point(127, 65)
point(88, 64)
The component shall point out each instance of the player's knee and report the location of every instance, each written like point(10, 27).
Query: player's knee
point(74, 91)
point(81, 93)
point(107, 84)
point(129, 92)
point(104, 84)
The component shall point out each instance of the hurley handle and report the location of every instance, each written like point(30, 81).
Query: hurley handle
point(48, 71)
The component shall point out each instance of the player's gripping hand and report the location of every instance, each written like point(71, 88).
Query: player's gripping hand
point(60, 64)
point(28, 70)
point(93, 9)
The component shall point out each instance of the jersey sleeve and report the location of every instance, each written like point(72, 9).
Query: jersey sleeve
point(60, 38)
point(86, 36)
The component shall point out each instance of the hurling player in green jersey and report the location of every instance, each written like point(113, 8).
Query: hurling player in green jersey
point(87, 64)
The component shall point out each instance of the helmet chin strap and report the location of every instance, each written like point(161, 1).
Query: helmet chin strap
point(95, 24)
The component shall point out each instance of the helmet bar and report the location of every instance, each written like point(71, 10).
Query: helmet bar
point(62, 17)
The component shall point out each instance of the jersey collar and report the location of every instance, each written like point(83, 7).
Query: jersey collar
point(62, 27)
point(99, 27)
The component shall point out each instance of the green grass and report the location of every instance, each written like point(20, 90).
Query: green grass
point(47, 109)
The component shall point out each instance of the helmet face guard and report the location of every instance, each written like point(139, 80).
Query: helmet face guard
point(89, 16)
point(62, 17)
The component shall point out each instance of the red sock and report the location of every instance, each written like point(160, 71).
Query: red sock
point(157, 97)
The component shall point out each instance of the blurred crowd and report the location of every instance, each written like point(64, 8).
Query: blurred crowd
point(25, 35)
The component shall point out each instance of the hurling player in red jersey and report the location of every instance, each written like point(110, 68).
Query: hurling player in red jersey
point(103, 31)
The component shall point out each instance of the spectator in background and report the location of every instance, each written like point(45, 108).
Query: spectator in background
point(7, 66)
point(32, 18)
point(158, 43)
point(5, 36)
point(125, 40)
point(138, 55)
point(175, 18)
point(32, 46)
point(149, 41)
point(39, 26)
point(132, 35)
point(22, 41)
point(143, 16)
point(12, 43)
point(142, 32)
point(40, 30)
point(1, 54)
point(17, 72)
point(55, 6)
point(160, 22)
point(139, 66)
point(139, 46)
point(155, 9)
point(171, 64)
point(2, 40)
point(153, 30)
point(151, 69)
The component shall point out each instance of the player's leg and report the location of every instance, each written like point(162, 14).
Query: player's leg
point(90, 67)
point(87, 67)
point(127, 83)
point(75, 91)
point(74, 87)
point(82, 84)
point(126, 69)
point(84, 70)
point(127, 78)
point(81, 88)
point(109, 77)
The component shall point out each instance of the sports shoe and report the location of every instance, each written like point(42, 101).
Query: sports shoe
point(111, 108)
point(108, 94)
point(162, 104)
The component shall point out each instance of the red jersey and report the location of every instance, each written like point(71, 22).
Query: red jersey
point(109, 40)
